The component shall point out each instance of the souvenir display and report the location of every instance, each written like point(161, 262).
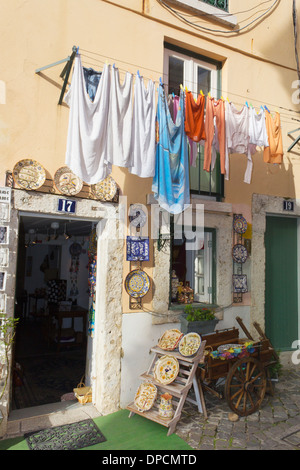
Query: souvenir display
point(166, 369)
point(189, 344)
point(56, 290)
point(240, 351)
point(239, 253)
point(239, 224)
point(29, 174)
point(185, 293)
point(137, 249)
point(93, 243)
point(67, 182)
point(105, 190)
point(145, 396)
point(92, 266)
point(165, 410)
point(137, 283)
point(240, 283)
point(175, 284)
point(170, 339)
point(137, 216)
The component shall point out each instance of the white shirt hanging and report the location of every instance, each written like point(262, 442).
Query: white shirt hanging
point(257, 128)
point(87, 131)
point(120, 121)
point(237, 138)
point(143, 129)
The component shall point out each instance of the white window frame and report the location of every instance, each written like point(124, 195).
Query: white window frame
point(191, 257)
point(206, 10)
point(190, 70)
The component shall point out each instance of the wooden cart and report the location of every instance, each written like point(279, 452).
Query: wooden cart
point(246, 378)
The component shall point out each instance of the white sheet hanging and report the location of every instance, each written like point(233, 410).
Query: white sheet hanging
point(143, 129)
point(120, 121)
point(88, 121)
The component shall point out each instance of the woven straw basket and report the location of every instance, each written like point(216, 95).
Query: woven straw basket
point(83, 393)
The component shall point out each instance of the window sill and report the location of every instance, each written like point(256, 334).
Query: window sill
point(179, 308)
point(210, 11)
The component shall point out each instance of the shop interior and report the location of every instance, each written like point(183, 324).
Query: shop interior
point(53, 305)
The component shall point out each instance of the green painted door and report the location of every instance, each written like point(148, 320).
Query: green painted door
point(281, 303)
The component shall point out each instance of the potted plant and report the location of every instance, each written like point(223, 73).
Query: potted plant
point(200, 320)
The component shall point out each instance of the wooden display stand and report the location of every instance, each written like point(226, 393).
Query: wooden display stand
point(178, 389)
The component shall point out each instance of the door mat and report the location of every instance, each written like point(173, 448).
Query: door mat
point(67, 437)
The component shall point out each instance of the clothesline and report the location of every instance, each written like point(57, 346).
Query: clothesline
point(114, 123)
point(283, 110)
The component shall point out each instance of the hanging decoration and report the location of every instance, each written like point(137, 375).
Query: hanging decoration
point(75, 251)
point(92, 266)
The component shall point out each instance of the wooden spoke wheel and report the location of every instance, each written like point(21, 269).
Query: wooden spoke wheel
point(245, 386)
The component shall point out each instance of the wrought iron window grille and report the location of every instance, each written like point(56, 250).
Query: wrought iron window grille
point(222, 4)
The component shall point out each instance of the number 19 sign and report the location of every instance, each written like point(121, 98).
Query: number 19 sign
point(66, 205)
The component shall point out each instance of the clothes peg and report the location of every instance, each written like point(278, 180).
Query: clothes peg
point(181, 87)
point(138, 74)
point(160, 81)
point(201, 93)
point(209, 96)
point(247, 104)
point(186, 90)
point(77, 50)
point(267, 109)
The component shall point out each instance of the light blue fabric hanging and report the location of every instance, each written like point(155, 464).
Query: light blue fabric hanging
point(170, 185)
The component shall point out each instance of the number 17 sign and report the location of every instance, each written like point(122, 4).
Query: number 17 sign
point(66, 205)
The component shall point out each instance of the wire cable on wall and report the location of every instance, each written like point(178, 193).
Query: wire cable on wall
point(204, 28)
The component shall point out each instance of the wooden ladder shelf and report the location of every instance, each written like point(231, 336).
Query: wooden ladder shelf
point(179, 389)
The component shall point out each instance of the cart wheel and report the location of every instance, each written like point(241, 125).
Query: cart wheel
point(245, 386)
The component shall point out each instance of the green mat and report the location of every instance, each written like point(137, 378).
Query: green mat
point(122, 433)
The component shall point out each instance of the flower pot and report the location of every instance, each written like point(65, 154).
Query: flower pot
point(200, 327)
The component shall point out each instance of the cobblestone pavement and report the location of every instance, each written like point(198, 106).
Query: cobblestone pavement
point(276, 426)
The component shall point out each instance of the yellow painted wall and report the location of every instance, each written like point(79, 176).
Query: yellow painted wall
point(259, 66)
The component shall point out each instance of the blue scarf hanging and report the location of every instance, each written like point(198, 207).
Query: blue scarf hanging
point(171, 181)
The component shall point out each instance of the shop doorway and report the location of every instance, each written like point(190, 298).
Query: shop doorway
point(53, 298)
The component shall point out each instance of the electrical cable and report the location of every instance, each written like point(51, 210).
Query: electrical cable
point(191, 23)
point(296, 37)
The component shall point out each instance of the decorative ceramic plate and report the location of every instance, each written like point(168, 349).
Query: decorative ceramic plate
point(170, 339)
point(105, 190)
point(137, 249)
point(240, 224)
point(29, 174)
point(137, 216)
point(66, 182)
point(145, 396)
point(166, 369)
point(239, 282)
point(239, 253)
point(226, 347)
point(137, 283)
point(189, 344)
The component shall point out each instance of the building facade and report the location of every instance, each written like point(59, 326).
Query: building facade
point(240, 55)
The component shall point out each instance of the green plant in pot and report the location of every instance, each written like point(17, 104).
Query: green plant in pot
point(200, 320)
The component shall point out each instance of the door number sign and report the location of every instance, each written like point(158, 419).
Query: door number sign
point(66, 205)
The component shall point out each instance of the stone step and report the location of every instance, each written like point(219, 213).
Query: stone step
point(46, 416)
